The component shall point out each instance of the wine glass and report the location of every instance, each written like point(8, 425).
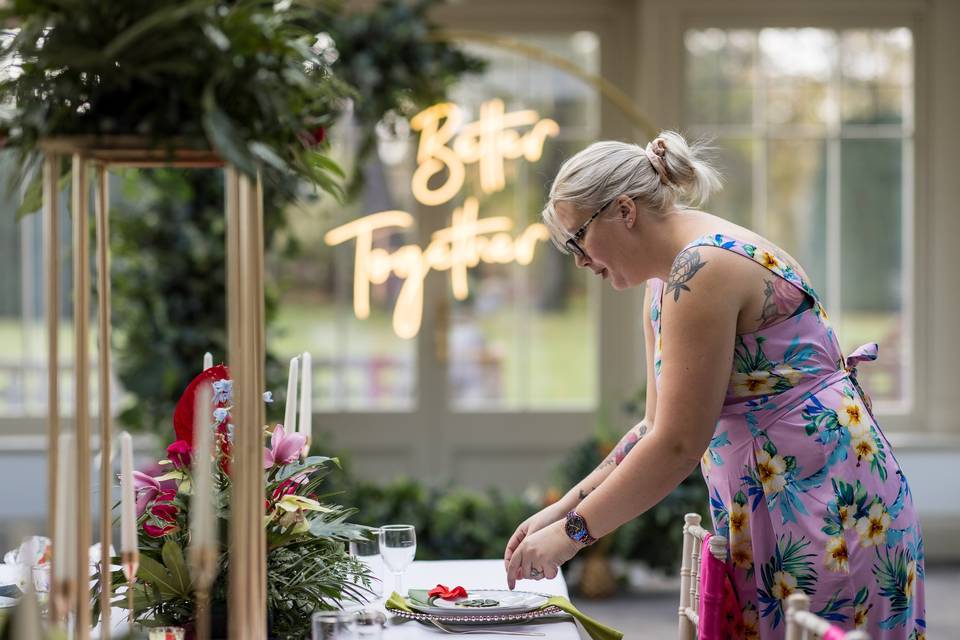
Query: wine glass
point(367, 551)
point(398, 546)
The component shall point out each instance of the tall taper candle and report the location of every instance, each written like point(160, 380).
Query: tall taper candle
point(306, 397)
point(128, 499)
point(201, 510)
point(64, 547)
point(290, 416)
point(207, 360)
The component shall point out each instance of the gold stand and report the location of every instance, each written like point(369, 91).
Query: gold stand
point(245, 296)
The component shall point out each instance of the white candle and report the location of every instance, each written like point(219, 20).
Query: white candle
point(306, 396)
point(128, 497)
point(290, 416)
point(202, 533)
point(64, 547)
point(207, 360)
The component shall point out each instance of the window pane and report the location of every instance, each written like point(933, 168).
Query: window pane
point(525, 337)
point(877, 75)
point(735, 159)
point(872, 193)
point(797, 204)
point(720, 76)
point(797, 66)
point(357, 364)
point(828, 99)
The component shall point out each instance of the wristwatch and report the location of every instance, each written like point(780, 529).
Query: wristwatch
point(576, 528)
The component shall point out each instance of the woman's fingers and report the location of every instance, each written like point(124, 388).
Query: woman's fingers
point(514, 542)
point(551, 572)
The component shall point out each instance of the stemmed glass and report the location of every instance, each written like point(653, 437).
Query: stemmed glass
point(398, 546)
point(367, 551)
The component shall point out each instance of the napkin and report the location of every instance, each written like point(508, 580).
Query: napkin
point(596, 630)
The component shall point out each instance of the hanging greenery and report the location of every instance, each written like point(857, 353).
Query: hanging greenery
point(242, 78)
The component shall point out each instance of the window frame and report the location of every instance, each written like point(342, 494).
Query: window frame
point(667, 71)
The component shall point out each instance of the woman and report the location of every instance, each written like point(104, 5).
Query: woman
point(750, 382)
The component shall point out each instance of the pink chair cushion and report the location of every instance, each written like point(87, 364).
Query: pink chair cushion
point(834, 633)
point(719, 611)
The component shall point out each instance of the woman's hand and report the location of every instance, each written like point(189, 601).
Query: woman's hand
point(534, 523)
point(541, 554)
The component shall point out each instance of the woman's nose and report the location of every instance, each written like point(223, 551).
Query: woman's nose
point(582, 261)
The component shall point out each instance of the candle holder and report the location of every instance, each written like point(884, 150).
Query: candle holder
point(203, 561)
point(62, 596)
point(245, 329)
point(131, 562)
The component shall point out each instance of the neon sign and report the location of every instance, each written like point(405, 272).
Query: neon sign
point(469, 239)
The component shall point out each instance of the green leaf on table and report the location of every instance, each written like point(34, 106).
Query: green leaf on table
point(157, 576)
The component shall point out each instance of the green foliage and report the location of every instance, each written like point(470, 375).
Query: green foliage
point(455, 523)
point(168, 287)
point(239, 77)
point(396, 60)
point(308, 567)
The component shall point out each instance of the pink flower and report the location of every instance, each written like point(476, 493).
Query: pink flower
point(158, 532)
point(146, 489)
point(285, 488)
point(180, 454)
point(165, 511)
point(284, 448)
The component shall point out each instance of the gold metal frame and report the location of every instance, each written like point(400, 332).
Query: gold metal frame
point(245, 318)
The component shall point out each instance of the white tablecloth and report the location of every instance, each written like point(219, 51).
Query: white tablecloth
point(476, 574)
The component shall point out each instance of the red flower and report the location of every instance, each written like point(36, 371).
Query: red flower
point(447, 594)
point(180, 454)
point(165, 511)
point(313, 137)
point(285, 488)
point(183, 414)
point(166, 495)
point(159, 532)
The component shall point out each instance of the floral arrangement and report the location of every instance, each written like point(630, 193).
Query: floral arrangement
point(308, 568)
point(241, 77)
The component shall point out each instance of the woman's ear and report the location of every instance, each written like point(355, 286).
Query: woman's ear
point(628, 211)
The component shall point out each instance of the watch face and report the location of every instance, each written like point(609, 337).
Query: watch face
point(576, 527)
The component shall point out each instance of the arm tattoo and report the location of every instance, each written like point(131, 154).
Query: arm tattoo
point(583, 494)
point(780, 300)
point(769, 313)
point(627, 442)
point(684, 268)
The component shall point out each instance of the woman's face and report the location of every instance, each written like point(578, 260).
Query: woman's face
point(611, 242)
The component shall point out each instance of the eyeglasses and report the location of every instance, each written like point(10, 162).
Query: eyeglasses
point(573, 243)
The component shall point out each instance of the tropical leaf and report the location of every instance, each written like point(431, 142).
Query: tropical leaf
point(176, 566)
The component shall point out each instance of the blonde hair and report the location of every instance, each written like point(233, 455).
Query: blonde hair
point(678, 174)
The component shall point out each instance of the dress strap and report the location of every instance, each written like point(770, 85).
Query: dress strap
point(763, 257)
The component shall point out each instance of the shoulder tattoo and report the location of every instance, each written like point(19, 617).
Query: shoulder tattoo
point(684, 268)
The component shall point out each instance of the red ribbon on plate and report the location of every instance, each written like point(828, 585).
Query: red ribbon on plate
point(448, 594)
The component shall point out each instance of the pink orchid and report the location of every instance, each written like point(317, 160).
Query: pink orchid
point(146, 488)
point(284, 448)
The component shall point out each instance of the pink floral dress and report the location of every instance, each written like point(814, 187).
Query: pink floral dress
point(802, 481)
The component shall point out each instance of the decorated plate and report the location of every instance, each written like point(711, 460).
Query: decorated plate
point(483, 602)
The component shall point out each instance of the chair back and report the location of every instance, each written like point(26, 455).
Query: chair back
point(693, 537)
point(803, 624)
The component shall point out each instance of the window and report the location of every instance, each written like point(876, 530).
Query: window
point(814, 129)
point(520, 334)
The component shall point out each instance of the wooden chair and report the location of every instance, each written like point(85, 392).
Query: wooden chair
point(693, 537)
point(803, 624)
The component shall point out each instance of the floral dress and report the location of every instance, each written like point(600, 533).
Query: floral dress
point(802, 481)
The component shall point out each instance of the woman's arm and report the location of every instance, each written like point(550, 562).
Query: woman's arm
point(698, 324)
point(556, 511)
point(699, 321)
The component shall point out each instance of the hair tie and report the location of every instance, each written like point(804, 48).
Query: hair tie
point(655, 150)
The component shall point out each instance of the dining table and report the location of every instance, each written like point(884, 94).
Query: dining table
point(474, 574)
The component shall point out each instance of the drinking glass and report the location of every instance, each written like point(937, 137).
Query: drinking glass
point(335, 625)
point(368, 552)
point(398, 546)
